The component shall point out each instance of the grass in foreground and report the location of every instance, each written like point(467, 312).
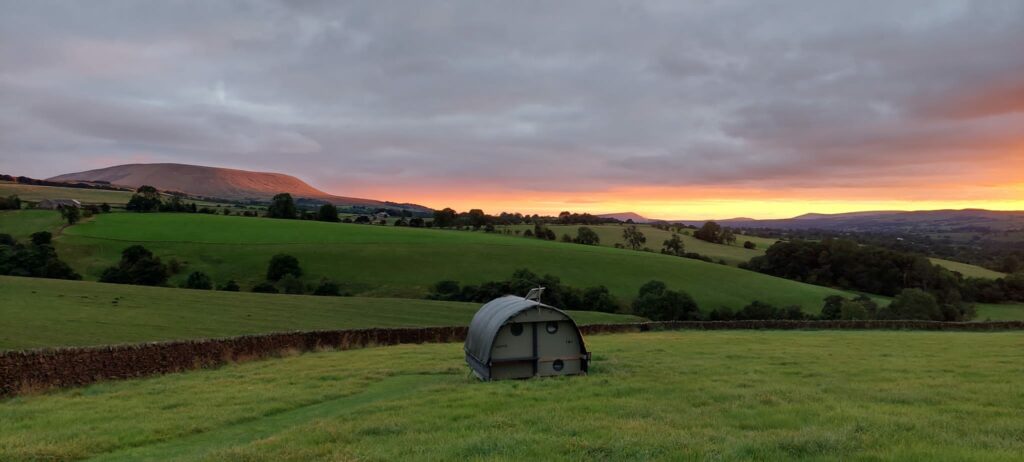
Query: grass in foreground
point(672, 395)
point(38, 313)
point(391, 261)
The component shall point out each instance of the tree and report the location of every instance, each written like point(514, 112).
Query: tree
point(444, 218)
point(230, 286)
point(282, 206)
point(727, 237)
point(105, 207)
point(657, 303)
point(749, 245)
point(477, 218)
point(137, 266)
point(587, 236)
point(145, 199)
point(328, 212)
point(12, 202)
point(634, 238)
point(710, 232)
point(71, 214)
point(599, 299)
point(673, 246)
point(914, 304)
point(198, 280)
point(281, 265)
point(416, 222)
point(41, 238)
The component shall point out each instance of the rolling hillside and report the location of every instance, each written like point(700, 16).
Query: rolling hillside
point(405, 262)
point(40, 313)
point(722, 395)
point(222, 183)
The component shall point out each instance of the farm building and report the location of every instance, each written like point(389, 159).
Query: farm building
point(54, 204)
point(516, 337)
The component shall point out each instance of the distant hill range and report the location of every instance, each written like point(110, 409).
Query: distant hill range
point(627, 216)
point(221, 183)
point(966, 220)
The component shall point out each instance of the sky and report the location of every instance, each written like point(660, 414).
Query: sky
point(671, 109)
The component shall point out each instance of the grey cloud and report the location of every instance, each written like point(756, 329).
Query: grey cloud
point(575, 95)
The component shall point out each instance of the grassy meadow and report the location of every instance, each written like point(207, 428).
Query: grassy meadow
point(612, 234)
point(968, 270)
point(22, 223)
point(40, 313)
point(393, 261)
point(34, 193)
point(734, 395)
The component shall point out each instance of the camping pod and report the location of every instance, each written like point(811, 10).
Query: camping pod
point(515, 337)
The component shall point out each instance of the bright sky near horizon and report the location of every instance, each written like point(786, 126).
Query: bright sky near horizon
point(685, 110)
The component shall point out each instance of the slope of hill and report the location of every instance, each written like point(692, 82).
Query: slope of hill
point(223, 183)
point(49, 313)
point(405, 262)
point(714, 395)
point(890, 221)
point(623, 216)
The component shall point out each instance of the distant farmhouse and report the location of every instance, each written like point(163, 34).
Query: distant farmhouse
point(54, 204)
point(382, 215)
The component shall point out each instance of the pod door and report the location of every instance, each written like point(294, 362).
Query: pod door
point(558, 348)
point(512, 354)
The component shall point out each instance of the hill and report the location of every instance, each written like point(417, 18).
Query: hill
point(404, 262)
point(216, 182)
point(49, 313)
point(714, 395)
point(924, 221)
point(623, 216)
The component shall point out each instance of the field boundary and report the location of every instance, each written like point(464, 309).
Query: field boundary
point(29, 371)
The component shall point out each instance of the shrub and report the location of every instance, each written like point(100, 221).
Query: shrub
point(327, 287)
point(914, 304)
point(587, 236)
point(42, 238)
point(281, 265)
point(230, 286)
point(599, 299)
point(137, 266)
point(327, 212)
point(198, 280)
point(292, 285)
point(657, 303)
point(265, 288)
point(749, 245)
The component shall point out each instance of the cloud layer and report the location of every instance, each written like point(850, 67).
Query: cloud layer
point(433, 100)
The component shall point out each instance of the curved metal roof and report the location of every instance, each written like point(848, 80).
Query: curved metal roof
point(486, 323)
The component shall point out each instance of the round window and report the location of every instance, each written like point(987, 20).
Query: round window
point(558, 365)
point(517, 329)
point(552, 327)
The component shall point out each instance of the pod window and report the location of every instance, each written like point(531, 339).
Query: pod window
point(558, 365)
point(516, 329)
point(552, 327)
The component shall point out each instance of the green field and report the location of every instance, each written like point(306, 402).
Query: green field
point(1000, 312)
point(967, 269)
point(405, 262)
point(737, 395)
point(612, 234)
point(22, 223)
point(35, 193)
point(48, 313)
